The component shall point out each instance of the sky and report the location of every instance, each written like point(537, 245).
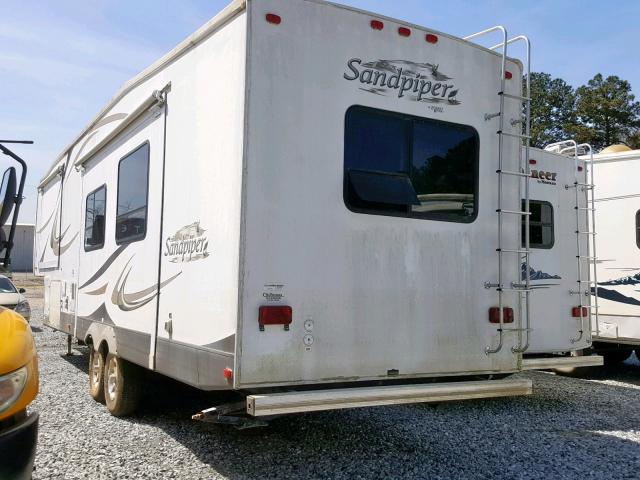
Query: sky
point(61, 62)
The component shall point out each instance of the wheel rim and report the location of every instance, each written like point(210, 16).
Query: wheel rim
point(112, 378)
point(95, 368)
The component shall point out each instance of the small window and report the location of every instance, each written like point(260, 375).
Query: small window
point(408, 166)
point(94, 219)
point(638, 228)
point(133, 189)
point(541, 233)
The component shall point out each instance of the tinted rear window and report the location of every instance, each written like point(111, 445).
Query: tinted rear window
point(403, 165)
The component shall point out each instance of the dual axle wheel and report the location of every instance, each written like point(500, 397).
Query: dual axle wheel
point(114, 382)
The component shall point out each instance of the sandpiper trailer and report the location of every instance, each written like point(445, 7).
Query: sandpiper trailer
point(617, 216)
point(309, 204)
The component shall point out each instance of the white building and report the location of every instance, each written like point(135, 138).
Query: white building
point(22, 253)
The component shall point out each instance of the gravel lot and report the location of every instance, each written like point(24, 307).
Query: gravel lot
point(570, 428)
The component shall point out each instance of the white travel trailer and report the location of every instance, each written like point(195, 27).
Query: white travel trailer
point(617, 213)
point(561, 252)
point(301, 196)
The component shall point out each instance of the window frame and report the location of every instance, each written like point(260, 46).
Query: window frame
point(91, 248)
point(409, 139)
point(542, 224)
point(133, 238)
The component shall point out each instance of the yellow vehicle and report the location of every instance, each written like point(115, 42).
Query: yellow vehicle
point(18, 388)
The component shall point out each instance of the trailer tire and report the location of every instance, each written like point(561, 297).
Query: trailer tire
point(96, 374)
point(121, 386)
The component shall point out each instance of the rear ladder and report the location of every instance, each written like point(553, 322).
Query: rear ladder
point(586, 300)
point(523, 290)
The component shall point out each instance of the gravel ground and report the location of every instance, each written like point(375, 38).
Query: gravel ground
point(570, 428)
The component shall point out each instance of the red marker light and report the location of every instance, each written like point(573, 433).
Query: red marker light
point(431, 38)
point(275, 315)
point(274, 19)
point(227, 373)
point(580, 169)
point(508, 75)
point(532, 162)
point(575, 312)
point(507, 315)
point(404, 32)
point(377, 25)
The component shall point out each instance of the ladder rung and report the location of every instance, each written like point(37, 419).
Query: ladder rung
point(515, 174)
point(516, 97)
point(514, 135)
point(583, 257)
point(585, 233)
point(588, 209)
point(517, 330)
point(509, 250)
point(591, 282)
point(515, 289)
point(512, 212)
point(578, 184)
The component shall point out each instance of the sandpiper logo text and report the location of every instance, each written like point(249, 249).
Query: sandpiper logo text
point(420, 82)
point(187, 245)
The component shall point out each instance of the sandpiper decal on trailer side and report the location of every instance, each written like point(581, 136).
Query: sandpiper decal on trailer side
point(188, 244)
point(124, 301)
point(132, 301)
point(420, 82)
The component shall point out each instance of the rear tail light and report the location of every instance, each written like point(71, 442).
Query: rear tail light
point(275, 315)
point(377, 25)
point(575, 312)
point(227, 373)
point(274, 19)
point(507, 314)
point(431, 38)
point(508, 75)
point(404, 32)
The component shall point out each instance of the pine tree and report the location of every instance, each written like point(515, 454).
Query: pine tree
point(552, 109)
point(607, 112)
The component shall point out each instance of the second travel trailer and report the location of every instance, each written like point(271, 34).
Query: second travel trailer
point(562, 251)
point(617, 212)
point(312, 205)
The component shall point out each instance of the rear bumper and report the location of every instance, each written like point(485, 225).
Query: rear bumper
point(311, 401)
point(18, 447)
point(547, 363)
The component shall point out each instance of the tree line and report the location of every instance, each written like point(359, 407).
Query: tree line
point(602, 112)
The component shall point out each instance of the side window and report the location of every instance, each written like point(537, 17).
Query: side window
point(133, 189)
point(541, 230)
point(408, 166)
point(638, 228)
point(94, 219)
